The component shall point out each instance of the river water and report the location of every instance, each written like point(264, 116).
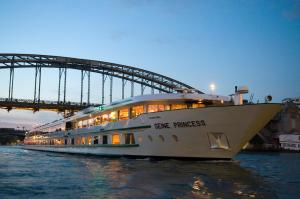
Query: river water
point(32, 174)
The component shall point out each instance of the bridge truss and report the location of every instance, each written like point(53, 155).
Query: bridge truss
point(107, 70)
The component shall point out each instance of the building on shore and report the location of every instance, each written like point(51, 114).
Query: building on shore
point(282, 131)
point(10, 136)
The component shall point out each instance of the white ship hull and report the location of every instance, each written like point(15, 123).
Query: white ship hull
point(207, 133)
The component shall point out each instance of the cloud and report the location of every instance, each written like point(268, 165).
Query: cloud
point(293, 12)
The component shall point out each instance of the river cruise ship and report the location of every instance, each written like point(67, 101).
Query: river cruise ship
point(174, 125)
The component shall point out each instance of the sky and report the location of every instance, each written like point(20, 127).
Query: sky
point(228, 43)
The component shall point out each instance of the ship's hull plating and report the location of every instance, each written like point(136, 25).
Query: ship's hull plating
point(204, 133)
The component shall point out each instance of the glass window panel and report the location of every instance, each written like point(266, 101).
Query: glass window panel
point(152, 108)
point(113, 116)
point(178, 106)
point(197, 105)
point(115, 139)
point(137, 110)
point(124, 114)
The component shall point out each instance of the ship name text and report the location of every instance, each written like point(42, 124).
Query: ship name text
point(181, 124)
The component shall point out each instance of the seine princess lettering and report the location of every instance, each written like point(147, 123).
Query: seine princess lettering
point(181, 124)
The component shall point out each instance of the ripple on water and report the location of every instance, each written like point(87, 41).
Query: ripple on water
point(32, 174)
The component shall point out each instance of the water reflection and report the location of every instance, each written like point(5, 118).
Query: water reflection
point(126, 178)
point(34, 174)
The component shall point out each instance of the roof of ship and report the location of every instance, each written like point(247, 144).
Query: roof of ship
point(139, 99)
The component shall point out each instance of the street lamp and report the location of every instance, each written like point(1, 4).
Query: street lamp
point(212, 87)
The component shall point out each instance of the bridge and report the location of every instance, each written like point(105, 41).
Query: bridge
point(107, 71)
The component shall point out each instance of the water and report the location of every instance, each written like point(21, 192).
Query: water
point(33, 174)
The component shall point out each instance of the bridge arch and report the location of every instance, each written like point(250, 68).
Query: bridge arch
point(126, 73)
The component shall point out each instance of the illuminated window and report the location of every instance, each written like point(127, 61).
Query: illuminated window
point(178, 106)
point(124, 114)
point(115, 139)
point(79, 124)
point(89, 140)
point(98, 120)
point(152, 108)
point(84, 123)
point(155, 108)
point(167, 107)
point(197, 105)
point(113, 116)
point(78, 141)
point(129, 138)
point(104, 118)
point(91, 122)
point(83, 140)
point(137, 110)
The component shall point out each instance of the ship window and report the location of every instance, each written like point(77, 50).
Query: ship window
point(137, 110)
point(104, 139)
point(66, 141)
point(218, 141)
point(155, 108)
point(115, 139)
point(104, 118)
point(161, 138)
point(79, 125)
point(98, 120)
point(68, 126)
point(78, 141)
point(89, 140)
point(175, 138)
point(83, 140)
point(96, 140)
point(113, 116)
point(178, 106)
point(84, 123)
point(124, 114)
point(197, 105)
point(72, 141)
point(167, 107)
point(91, 122)
point(129, 138)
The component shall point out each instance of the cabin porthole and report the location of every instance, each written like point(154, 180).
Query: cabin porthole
point(161, 138)
point(175, 138)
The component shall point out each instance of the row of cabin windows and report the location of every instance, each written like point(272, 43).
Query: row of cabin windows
point(93, 140)
point(123, 114)
point(101, 139)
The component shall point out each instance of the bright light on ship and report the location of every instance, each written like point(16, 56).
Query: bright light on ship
point(212, 87)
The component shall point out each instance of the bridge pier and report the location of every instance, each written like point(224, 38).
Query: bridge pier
point(62, 72)
point(37, 83)
point(11, 83)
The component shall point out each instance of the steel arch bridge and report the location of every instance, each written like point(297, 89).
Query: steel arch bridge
point(108, 70)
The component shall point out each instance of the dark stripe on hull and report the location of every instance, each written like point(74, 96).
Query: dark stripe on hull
point(135, 156)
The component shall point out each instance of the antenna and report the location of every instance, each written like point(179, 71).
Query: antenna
point(251, 98)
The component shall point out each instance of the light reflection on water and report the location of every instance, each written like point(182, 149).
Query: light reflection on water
point(32, 174)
